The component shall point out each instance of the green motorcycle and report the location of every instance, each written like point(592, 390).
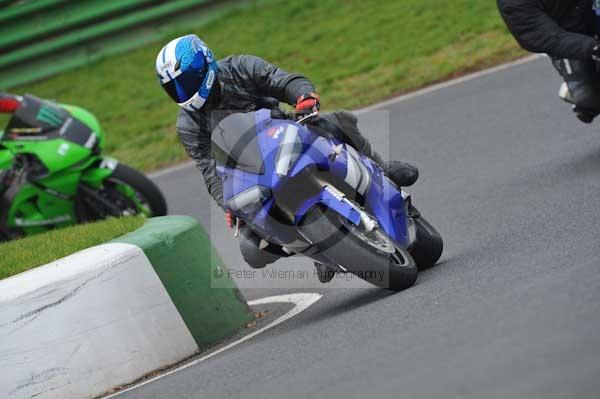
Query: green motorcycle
point(53, 174)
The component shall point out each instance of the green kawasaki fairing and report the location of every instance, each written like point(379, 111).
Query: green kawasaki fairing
point(57, 177)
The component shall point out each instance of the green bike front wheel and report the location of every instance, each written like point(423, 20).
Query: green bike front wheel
point(126, 192)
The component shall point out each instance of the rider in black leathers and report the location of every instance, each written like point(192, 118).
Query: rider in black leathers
point(566, 30)
point(247, 83)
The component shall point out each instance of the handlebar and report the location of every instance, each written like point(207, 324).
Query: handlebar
point(304, 119)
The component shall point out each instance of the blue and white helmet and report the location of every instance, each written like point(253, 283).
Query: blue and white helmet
point(187, 71)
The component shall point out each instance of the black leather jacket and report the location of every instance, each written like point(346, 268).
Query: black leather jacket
point(560, 28)
point(246, 83)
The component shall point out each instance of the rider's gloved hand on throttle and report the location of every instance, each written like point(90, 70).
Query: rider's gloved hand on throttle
point(307, 103)
point(401, 173)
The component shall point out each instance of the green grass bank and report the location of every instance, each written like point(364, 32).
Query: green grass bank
point(356, 52)
point(24, 254)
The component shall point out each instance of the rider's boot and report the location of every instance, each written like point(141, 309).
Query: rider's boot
point(401, 173)
point(580, 88)
point(257, 252)
point(585, 115)
point(344, 125)
point(324, 273)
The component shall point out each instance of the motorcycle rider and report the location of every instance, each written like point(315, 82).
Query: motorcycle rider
point(208, 90)
point(566, 30)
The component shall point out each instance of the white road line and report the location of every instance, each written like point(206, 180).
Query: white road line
point(302, 301)
point(396, 100)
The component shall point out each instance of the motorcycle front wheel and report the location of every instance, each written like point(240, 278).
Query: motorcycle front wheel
point(126, 192)
point(428, 247)
point(370, 256)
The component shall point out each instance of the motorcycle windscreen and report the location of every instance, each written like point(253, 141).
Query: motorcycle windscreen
point(40, 119)
point(36, 117)
point(235, 143)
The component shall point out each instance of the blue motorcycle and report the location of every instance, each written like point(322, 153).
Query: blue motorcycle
point(316, 196)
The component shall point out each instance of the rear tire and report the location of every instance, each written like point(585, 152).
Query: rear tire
point(342, 246)
point(428, 247)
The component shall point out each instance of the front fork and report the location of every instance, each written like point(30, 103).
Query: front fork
point(94, 176)
point(337, 201)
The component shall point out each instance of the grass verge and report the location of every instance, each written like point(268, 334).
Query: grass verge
point(24, 254)
point(356, 52)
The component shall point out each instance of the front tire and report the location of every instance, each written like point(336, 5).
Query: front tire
point(428, 247)
point(345, 247)
point(130, 190)
point(143, 186)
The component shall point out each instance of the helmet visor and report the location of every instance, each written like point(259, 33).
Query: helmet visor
point(185, 85)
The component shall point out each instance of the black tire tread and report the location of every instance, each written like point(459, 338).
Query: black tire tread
point(143, 185)
point(428, 248)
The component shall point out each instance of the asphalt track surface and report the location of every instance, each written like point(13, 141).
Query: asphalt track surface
point(511, 180)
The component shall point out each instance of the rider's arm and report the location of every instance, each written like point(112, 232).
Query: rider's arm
point(537, 32)
point(9, 103)
point(270, 81)
point(194, 134)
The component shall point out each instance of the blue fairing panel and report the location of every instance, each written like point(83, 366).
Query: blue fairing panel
point(311, 170)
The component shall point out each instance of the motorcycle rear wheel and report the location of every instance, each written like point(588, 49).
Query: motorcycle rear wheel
point(352, 250)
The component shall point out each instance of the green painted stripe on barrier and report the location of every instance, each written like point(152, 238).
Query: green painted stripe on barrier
point(185, 261)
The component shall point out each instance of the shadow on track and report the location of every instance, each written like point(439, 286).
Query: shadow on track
point(366, 297)
point(362, 298)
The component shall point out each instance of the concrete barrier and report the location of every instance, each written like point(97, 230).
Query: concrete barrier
point(110, 314)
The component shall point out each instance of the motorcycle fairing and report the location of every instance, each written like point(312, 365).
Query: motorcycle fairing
point(324, 171)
